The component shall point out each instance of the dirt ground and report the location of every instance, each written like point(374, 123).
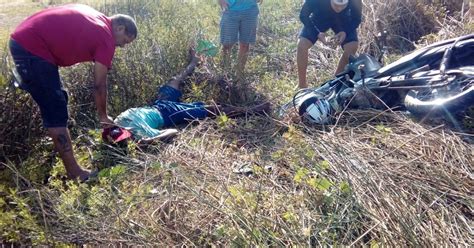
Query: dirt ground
point(12, 12)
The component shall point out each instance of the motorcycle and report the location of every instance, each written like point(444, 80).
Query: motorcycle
point(433, 80)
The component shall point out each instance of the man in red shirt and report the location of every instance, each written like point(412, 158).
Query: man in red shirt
point(63, 36)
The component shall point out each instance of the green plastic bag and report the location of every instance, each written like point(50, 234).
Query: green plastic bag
point(207, 48)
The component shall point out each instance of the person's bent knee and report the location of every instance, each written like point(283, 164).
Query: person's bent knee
point(54, 131)
point(351, 47)
point(227, 47)
point(59, 134)
point(244, 46)
point(304, 44)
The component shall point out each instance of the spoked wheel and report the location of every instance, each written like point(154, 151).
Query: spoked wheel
point(456, 96)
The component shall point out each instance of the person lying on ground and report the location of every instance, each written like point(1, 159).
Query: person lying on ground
point(149, 123)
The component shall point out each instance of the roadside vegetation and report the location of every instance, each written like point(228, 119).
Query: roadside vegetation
point(374, 179)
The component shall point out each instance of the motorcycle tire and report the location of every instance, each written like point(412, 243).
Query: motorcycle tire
point(458, 102)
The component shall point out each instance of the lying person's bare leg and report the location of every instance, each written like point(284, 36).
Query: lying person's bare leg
point(233, 111)
point(176, 81)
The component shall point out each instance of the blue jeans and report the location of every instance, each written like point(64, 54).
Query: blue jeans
point(175, 112)
point(41, 79)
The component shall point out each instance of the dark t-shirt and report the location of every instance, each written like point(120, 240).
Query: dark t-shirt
point(319, 15)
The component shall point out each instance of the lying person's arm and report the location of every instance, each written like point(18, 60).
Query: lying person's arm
point(145, 124)
point(165, 134)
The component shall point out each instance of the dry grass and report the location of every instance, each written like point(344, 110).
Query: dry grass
point(393, 182)
point(375, 178)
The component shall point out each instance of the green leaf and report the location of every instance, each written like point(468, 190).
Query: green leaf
point(173, 165)
point(234, 191)
point(222, 120)
point(324, 165)
point(278, 155)
point(374, 244)
point(345, 187)
point(104, 173)
point(324, 184)
point(3, 82)
point(156, 165)
point(320, 183)
point(289, 216)
point(117, 170)
point(300, 174)
point(383, 129)
point(96, 134)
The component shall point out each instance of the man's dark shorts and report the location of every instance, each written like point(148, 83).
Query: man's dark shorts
point(41, 79)
point(311, 34)
point(175, 112)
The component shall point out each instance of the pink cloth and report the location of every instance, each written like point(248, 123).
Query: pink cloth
point(67, 35)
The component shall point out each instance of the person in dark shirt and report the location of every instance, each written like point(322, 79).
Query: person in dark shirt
point(343, 17)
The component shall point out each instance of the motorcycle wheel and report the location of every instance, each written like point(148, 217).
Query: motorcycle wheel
point(424, 103)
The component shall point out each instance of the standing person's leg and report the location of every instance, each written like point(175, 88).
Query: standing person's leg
point(53, 106)
point(302, 60)
point(247, 36)
point(350, 46)
point(63, 145)
point(41, 79)
point(226, 63)
point(244, 49)
point(349, 49)
point(308, 36)
point(229, 35)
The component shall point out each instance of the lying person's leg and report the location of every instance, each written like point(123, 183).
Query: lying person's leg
point(170, 91)
point(233, 111)
point(175, 113)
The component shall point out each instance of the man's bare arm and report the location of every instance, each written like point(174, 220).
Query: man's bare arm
point(100, 92)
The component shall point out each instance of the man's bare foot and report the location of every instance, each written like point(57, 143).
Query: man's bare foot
point(240, 76)
point(300, 87)
point(80, 175)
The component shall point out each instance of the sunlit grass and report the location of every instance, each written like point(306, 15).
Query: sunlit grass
point(308, 187)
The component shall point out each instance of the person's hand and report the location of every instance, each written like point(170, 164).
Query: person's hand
point(322, 38)
point(340, 37)
point(106, 122)
point(224, 4)
point(192, 57)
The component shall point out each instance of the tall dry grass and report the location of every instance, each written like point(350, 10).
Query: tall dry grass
point(373, 179)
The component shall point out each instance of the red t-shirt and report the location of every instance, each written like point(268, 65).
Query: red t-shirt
point(67, 35)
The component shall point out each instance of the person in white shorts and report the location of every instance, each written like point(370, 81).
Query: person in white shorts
point(238, 24)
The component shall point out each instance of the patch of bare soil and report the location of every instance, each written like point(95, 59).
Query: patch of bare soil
point(13, 12)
